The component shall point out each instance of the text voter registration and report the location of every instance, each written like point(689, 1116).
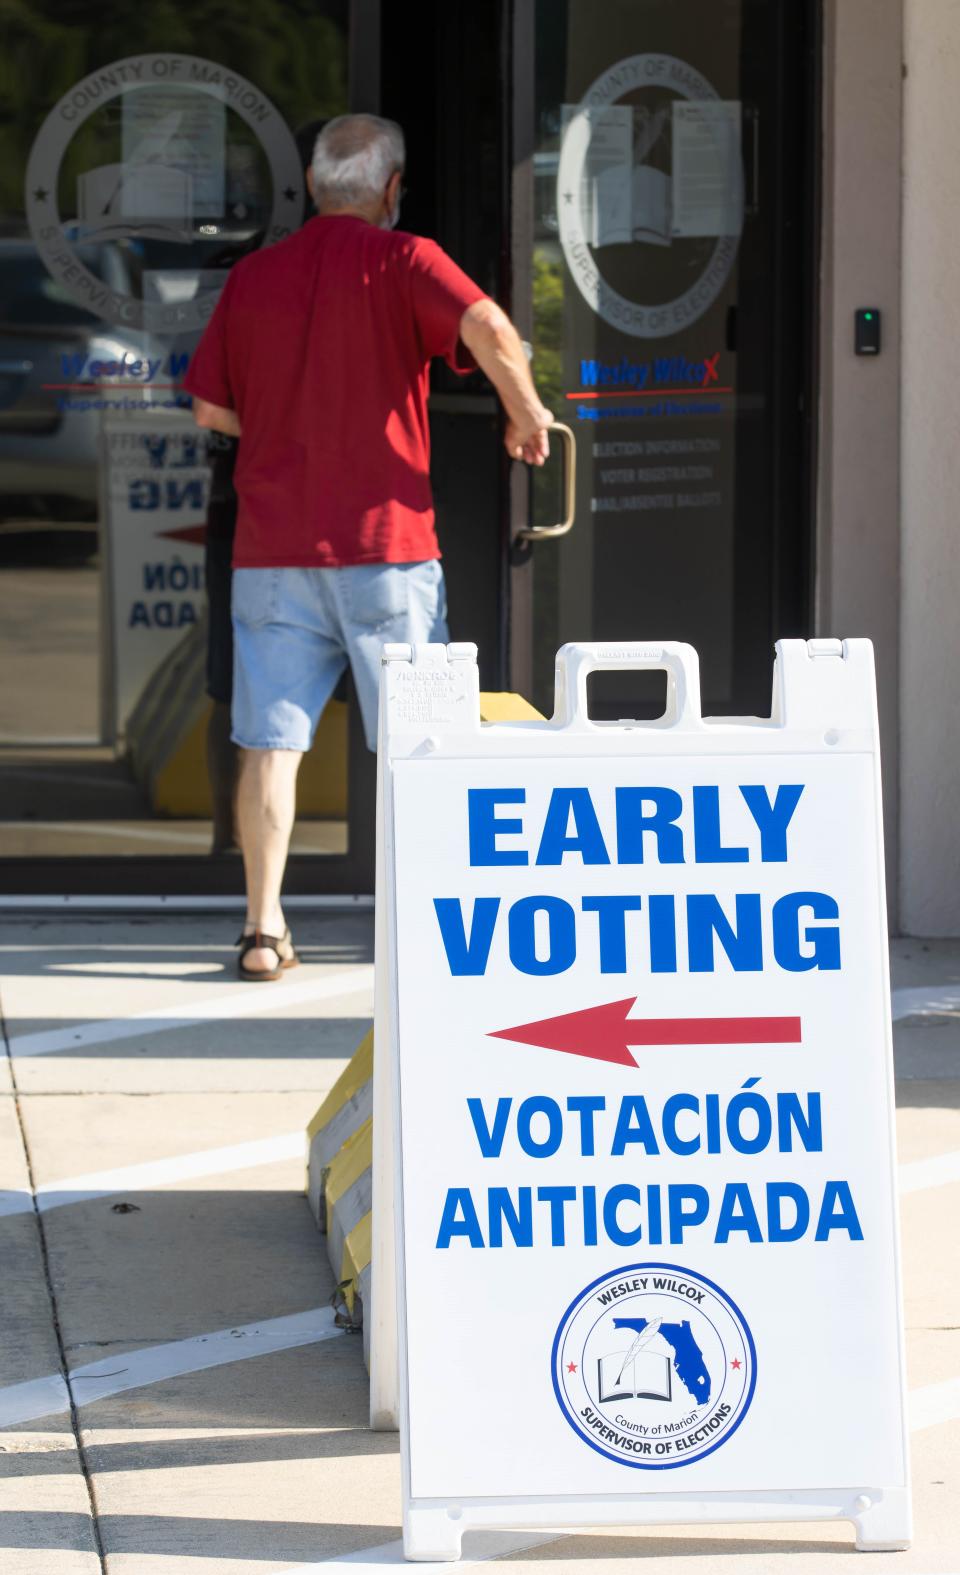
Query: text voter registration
point(648, 1240)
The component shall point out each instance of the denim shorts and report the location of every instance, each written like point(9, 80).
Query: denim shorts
point(295, 631)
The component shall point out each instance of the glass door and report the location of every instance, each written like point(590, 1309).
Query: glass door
point(663, 260)
point(146, 150)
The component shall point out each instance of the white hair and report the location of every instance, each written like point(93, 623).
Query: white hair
point(353, 159)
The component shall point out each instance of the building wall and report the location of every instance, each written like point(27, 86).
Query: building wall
point(858, 526)
point(930, 624)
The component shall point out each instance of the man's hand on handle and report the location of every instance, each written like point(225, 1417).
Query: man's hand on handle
point(528, 440)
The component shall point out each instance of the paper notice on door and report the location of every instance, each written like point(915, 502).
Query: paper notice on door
point(707, 168)
point(606, 173)
point(182, 129)
point(624, 200)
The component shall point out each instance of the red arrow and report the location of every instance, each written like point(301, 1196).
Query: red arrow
point(603, 1033)
point(192, 533)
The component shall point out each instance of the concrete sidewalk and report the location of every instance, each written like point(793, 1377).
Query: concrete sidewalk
point(156, 1244)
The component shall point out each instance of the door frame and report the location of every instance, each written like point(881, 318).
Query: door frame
point(792, 580)
point(519, 140)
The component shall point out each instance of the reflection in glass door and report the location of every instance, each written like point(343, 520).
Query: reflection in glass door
point(143, 156)
point(662, 253)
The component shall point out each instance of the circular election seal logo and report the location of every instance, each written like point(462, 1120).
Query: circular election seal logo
point(654, 1366)
point(171, 164)
point(650, 194)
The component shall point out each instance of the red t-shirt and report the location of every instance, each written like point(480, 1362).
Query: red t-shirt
point(322, 345)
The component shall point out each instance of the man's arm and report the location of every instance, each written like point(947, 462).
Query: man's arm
point(498, 350)
point(215, 418)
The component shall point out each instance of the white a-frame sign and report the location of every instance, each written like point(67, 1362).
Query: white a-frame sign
point(637, 1025)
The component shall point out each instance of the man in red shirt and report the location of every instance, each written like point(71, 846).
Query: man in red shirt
point(318, 354)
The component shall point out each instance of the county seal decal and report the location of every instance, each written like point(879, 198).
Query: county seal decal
point(654, 1366)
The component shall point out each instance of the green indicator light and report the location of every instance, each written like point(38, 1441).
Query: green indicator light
point(868, 317)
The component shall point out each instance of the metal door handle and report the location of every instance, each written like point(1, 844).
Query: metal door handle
point(551, 532)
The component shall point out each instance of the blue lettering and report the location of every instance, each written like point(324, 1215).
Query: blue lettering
point(557, 1197)
point(490, 1138)
point(823, 942)
point(586, 1107)
point(561, 934)
point(663, 934)
point(467, 957)
point(737, 1213)
point(654, 1216)
point(187, 456)
point(539, 1105)
point(773, 819)
point(837, 1212)
point(624, 1193)
point(484, 827)
point(144, 494)
point(672, 1108)
point(706, 830)
point(459, 1201)
point(612, 919)
point(634, 1126)
point(680, 1217)
point(777, 1193)
point(632, 822)
point(519, 1220)
point(587, 838)
point(758, 1106)
point(589, 1216)
point(190, 493)
point(743, 946)
point(809, 1127)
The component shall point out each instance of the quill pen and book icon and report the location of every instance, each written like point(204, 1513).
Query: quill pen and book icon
point(640, 1374)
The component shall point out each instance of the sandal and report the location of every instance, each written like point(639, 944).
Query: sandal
point(281, 944)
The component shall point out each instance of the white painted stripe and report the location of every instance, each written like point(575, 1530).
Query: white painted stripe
point(157, 1173)
point(478, 1547)
point(928, 1407)
point(36, 1397)
point(917, 1176)
point(248, 1001)
point(933, 1404)
point(926, 999)
point(15, 1203)
point(934, 1172)
point(114, 1375)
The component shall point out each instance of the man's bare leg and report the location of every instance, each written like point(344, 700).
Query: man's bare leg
point(266, 805)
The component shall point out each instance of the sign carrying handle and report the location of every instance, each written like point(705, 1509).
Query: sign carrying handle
point(551, 532)
point(576, 662)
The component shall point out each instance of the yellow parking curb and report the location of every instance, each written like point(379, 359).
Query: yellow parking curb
point(354, 1158)
point(359, 1070)
point(340, 1136)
